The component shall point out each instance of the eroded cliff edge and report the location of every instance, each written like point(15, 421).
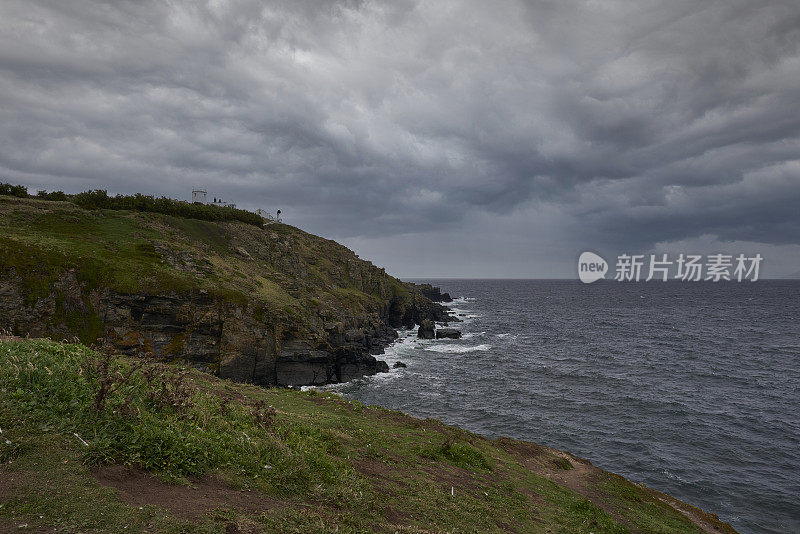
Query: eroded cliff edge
point(272, 305)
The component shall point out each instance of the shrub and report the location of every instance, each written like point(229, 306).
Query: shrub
point(106, 378)
point(19, 191)
point(99, 199)
point(52, 195)
point(263, 415)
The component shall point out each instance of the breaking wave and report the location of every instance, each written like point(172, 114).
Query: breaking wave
point(457, 349)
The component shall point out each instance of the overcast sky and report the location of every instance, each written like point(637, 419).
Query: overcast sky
point(436, 138)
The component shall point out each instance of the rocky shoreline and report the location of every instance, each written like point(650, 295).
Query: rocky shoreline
point(224, 338)
point(352, 350)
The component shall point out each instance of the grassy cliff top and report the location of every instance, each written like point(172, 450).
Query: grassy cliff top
point(279, 268)
point(94, 443)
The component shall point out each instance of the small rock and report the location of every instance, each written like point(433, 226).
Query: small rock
point(451, 333)
point(399, 365)
point(426, 330)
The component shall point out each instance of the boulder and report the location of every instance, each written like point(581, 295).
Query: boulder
point(451, 333)
point(352, 362)
point(399, 365)
point(427, 330)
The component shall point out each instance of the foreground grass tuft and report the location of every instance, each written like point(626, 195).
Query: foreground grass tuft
point(154, 416)
point(285, 461)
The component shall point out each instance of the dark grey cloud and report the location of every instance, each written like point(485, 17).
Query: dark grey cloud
point(555, 125)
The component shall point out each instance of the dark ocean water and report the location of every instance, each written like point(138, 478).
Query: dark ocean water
point(692, 389)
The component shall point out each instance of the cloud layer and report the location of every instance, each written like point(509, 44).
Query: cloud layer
point(561, 124)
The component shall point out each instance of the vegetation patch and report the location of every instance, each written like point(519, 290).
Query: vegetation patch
point(100, 199)
point(80, 319)
point(37, 269)
point(273, 460)
point(562, 463)
point(458, 453)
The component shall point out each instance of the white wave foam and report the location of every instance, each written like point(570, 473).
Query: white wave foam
point(507, 336)
point(470, 335)
point(462, 313)
point(457, 349)
point(402, 348)
point(466, 318)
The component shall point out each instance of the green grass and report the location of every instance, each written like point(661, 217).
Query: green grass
point(143, 423)
point(654, 515)
point(458, 454)
point(111, 251)
point(337, 465)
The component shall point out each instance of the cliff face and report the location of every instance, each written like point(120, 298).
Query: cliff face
point(268, 306)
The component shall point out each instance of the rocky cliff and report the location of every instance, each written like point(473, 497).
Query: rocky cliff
point(271, 305)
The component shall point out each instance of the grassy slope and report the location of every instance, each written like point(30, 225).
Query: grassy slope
point(316, 463)
point(133, 252)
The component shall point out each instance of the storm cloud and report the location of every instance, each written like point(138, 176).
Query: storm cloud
point(464, 138)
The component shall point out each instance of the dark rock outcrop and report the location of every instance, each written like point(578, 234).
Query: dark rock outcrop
point(432, 292)
point(300, 364)
point(352, 362)
point(451, 333)
point(399, 365)
point(405, 313)
point(426, 330)
point(228, 339)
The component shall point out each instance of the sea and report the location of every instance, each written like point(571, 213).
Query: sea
point(691, 388)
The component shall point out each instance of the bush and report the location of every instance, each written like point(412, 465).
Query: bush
point(52, 195)
point(99, 199)
point(19, 191)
